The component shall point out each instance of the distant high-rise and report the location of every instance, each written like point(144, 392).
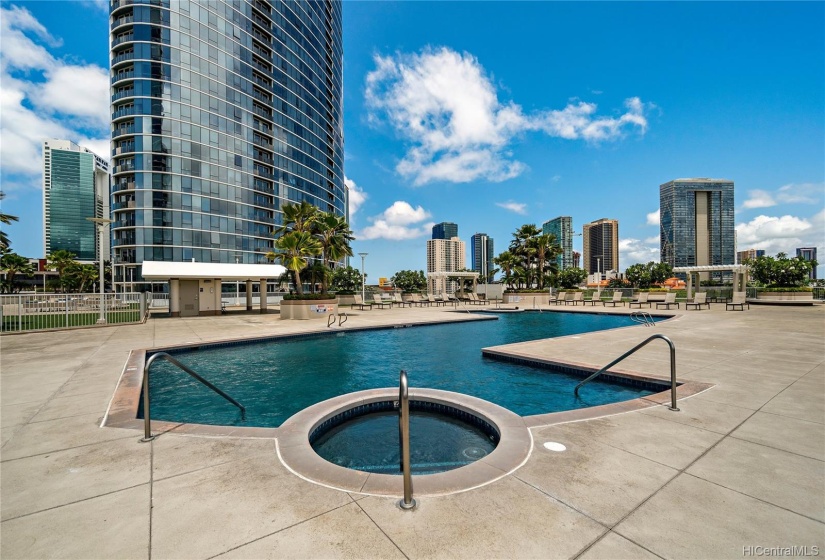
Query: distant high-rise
point(742, 256)
point(445, 255)
point(697, 223)
point(445, 230)
point(600, 240)
point(562, 228)
point(809, 254)
point(223, 111)
point(481, 248)
point(75, 187)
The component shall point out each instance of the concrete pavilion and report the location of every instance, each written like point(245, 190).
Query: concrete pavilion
point(740, 275)
point(195, 288)
point(461, 275)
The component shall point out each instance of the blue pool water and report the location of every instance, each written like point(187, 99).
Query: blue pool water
point(275, 379)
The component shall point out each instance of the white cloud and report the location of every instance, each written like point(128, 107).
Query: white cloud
point(446, 106)
point(777, 234)
point(556, 178)
point(653, 218)
point(651, 240)
point(357, 196)
point(632, 251)
point(397, 223)
point(792, 193)
point(44, 97)
point(759, 199)
point(517, 207)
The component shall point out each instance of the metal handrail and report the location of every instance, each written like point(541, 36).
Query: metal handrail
point(643, 317)
point(404, 432)
point(345, 318)
point(631, 351)
point(330, 320)
point(147, 418)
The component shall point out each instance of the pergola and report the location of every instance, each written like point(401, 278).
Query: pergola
point(740, 275)
point(462, 275)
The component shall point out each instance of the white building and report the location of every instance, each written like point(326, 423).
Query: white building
point(445, 255)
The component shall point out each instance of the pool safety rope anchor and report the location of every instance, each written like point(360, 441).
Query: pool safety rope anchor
point(404, 432)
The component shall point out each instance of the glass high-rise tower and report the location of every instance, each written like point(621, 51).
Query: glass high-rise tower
point(445, 230)
point(562, 228)
point(222, 112)
point(483, 252)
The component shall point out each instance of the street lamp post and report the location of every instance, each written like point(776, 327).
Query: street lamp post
point(363, 256)
point(101, 224)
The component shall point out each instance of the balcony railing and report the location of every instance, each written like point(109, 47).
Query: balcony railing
point(122, 39)
point(262, 112)
point(123, 76)
point(123, 112)
point(122, 94)
point(123, 131)
point(127, 186)
point(123, 57)
point(122, 21)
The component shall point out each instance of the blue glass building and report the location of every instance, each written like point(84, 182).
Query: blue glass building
point(222, 112)
point(445, 230)
point(483, 251)
point(562, 228)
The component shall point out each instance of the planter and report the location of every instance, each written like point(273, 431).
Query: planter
point(784, 298)
point(308, 309)
point(527, 299)
point(346, 300)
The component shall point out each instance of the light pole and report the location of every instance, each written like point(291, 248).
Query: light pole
point(237, 285)
point(101, 224)
point(363, 256)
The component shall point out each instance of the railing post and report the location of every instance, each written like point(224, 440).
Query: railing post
point(19, 313)
point(147, 417)
point(673, 406)
point(404, 431)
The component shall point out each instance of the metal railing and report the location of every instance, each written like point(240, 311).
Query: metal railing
point(147, 418)
point(404, 432)
point(46, 311)
point(341, 318)
point(631, 351)
point(643, 317)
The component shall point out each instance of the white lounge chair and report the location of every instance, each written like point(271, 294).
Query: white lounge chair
point(699, 299)
point(617, 298)
point(737, 300)
point(642, 299)
point(670, 299)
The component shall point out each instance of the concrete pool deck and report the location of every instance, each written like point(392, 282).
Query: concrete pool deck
point(742, 465)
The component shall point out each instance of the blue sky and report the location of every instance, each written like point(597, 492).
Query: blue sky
point(493, 115)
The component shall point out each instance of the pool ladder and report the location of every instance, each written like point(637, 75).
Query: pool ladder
point(147, 417)
point(631, 351)
point(643, 317)
point(342, 318)
point(408, 502)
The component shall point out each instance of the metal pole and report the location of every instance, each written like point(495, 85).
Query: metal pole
point(147, 417)
point(102, 319)
point(404, 431)
point(363, 256)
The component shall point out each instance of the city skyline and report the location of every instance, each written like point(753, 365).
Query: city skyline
point(593, 134)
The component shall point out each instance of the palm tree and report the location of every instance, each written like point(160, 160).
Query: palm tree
point(294, 248)
point(5, 219)
point(60, 260)
point(298, 217)
point(317, 273)
point(13, 264)
point(545, 249)
point(84, 274)
point(507, 261)
point(335, 235)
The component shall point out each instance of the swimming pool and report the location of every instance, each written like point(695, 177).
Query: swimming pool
point(277, 378)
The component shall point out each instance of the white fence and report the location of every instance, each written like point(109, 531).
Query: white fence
point(37, 312)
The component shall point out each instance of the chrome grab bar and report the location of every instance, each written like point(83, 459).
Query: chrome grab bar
point(631, 351)
point(330, 320)
point(147, 418)
point(404, 432)
point(344, 320)
point(643, 317)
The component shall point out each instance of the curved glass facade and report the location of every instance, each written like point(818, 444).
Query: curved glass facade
point(222, 111)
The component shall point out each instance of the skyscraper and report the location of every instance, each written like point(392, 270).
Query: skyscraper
point(445, 255)
point(562, 228)
point(697, 223)
point(809, 254)
point(742, 256)
point(445, 230)
point(75, 187)
point(222, 112)
point(481, 249)
point(600, 240)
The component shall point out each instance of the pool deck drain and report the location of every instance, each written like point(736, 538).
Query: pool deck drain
point(742, 464)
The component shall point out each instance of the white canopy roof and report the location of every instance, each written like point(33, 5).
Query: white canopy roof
point(160, 270)
point(442, 274)
point(712, 268)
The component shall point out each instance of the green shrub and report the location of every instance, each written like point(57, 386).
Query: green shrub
point(785, 289)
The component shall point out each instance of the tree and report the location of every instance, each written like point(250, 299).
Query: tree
point(545, 248)
point(409, 280)
point(317, 273)
point(507, 262)
point(6, 219)
point(571, 277)
point(346, 279)
point(297, 217)
point(335, 236)
point(294, 248)
point(659, 272)
point(781, 271)
point(13, 264)
point(82, 275)
point(60, 260)
point(644, 275)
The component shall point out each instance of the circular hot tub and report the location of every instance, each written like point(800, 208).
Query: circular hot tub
point(457, 442)
point(366, 438)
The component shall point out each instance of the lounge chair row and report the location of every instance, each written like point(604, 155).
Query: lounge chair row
point(415, 299)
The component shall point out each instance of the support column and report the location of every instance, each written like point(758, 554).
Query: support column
point(174, 297)
point(745, 280)
point(218, 296)
point(689, 285)
point(249, 295)
point(262, 306)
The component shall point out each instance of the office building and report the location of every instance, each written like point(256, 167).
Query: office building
point(562, 228)
point(222, 112)
point(809, 254)
point(481, 249)
point(697, 223)
point(445, 255)
point(600, 240)
point(750, 254)
point(75, 187)
point(445, 230)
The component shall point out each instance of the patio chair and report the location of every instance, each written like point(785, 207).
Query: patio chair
point(552, 298)
point(376, 300)
point(617, 298)
point(595, 297)
point(699, 299)
point(578, 297)
point(670, 299)
point(432, 300)
point(568, 297)
point(446, 298)
point(416, 299)
point(642, 299)
point(737, 300)
point(474, 299)
point(359, 303)
point(398, 300)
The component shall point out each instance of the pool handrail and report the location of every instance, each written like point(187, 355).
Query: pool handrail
point(631, 351)
point(147, 417)
point(643, 317)
point(408, 502)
